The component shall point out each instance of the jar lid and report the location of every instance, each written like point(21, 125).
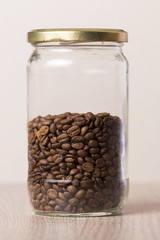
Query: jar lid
point(77, 35)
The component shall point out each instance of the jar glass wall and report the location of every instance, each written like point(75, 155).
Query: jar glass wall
point(77, 128)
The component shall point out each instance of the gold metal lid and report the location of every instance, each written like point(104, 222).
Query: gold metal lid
point(77, 35)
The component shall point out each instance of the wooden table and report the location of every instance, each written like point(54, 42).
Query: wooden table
point(139, 220)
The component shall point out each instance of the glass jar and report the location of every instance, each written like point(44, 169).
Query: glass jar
point(77, 122)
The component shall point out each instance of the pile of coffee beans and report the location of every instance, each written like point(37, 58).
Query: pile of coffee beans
point(75, 162)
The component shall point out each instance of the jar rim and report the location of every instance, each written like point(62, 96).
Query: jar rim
point(77, 35)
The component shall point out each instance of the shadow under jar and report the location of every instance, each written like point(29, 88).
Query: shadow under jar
point(77, 122)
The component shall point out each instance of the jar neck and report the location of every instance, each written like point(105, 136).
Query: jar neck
point(78, 44)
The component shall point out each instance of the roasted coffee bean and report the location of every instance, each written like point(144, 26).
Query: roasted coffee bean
point(86, 183)
point(82, 153)
point(89, 136)
point(52, 128)
point(73, 171)
point(43, 130)
point(80, 194)
point(46, 122)
point(93, 143)
point(53, 140)
point(73, 131)
point(88, 167)
point(78, 176)
point(111, 171)
point(57, 158)
point(58, 208)
point(61, 151)
point(66, 146)
point(68, 208)
point(61, 196)
point(60, 202)
point(80, 160)
point(71, 165)
point(56, 145)
point(63, 138)
point(112, 140)
point(89, 159)
point(74, 202)
point(100, 162)
point(75, 162)
point(90, 193)
point(77, 139)
point(77, 145)
point(66, 121)
point(84, 130)
point(94, 150)
point(48, 208)
point(71, 189)
point(31, 138)
point(97, 172)
point(75, 183)
point(69, 159)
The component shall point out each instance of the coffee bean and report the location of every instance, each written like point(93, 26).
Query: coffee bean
point(77, 139)
point(89, 159)
point(73, 152)
point(107, 191)
point(61, 196)
point(69, 159)
point(56, 145)
point(106, 156)
point(82, 153)
point(84, 130)
point(108, 205)
point(112, 140)
point(89, 136)
point(43, 161)
point(68, 208)
point(71, 189)
point(44, 130)
point(52, 128)
point(93, 203)
point(68, 195)
point(57, 158)
point(31, 138)
point(78, 176)
point(74, 202)
point(93, 143)
point(111, 171)
point(80, 160)
point(44, 140)
point(73, 131)
point(63, 138)
point(100, 163)
point(51, 203)
point(66, 146)
point(73, 171)
point(75, 162)
point(80, 193)
point(94, 150)
point(86, 183)
point(60, 202)
point(97, 172)
point(75, 183)
point(58, 208)
point(66, 121)
point(77, 145)
point(88, 167)
point(61, 151)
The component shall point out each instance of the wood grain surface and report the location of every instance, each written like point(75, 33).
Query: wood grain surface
point(139, 220)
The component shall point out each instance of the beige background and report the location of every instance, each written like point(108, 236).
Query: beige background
point(140, 18)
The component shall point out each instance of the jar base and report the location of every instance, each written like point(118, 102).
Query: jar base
point(109, 212)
